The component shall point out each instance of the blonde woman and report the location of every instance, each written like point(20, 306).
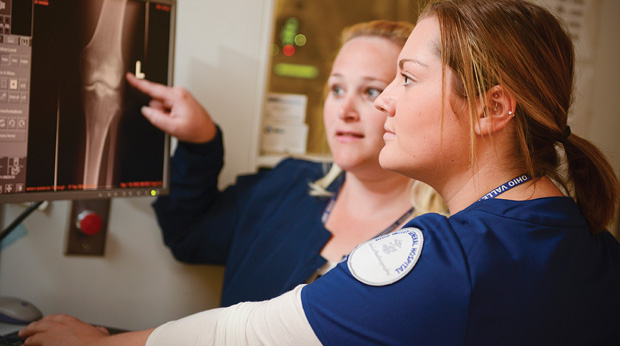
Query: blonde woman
point(275, 230)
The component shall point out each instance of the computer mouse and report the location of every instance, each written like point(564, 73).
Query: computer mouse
point(18, 311)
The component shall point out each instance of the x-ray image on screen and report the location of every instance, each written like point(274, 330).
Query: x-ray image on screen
point(84, 126)
point(102, 65)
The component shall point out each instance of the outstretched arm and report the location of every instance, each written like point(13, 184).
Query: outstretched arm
point(175, 111)
point(280, 321)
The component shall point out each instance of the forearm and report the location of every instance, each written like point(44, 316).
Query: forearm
point(194, 173)
point(185, 215)
point(138, 338)
point(280, 321)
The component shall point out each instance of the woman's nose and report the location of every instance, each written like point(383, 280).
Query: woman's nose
point(348, 111)
point(385, 103)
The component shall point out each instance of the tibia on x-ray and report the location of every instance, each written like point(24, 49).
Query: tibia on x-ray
point(102, 70)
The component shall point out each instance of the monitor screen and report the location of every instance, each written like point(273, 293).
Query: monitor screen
point(70, 125)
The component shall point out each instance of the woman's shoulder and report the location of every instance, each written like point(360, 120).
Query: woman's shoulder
point(303, 169)
point(292, 162)
point(288, 173)
point(493, 231)
point(546, 212)
point(507, 224)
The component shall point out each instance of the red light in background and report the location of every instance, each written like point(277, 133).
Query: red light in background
point(288, 50)
point(162, 7)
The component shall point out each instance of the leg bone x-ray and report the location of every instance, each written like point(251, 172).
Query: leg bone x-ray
point(102, 70)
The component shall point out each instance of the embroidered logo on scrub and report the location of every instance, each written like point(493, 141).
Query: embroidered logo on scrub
point(386, 259)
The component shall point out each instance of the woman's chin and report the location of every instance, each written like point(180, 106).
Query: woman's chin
point(387, 162)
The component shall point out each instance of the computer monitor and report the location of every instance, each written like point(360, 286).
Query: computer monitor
point(70, 125)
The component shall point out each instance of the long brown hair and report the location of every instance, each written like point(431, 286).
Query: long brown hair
point(524, 48)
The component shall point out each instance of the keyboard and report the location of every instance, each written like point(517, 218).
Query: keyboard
point(11, 339)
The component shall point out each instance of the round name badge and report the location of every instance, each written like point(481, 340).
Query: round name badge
point(386, 259)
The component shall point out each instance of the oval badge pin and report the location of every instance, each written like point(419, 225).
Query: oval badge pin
point(386, 259)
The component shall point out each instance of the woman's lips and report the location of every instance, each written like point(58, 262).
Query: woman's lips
point(389, 134)
point(348, 135)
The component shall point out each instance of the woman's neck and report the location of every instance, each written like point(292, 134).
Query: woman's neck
point(365, 197)
point(363, 209)
point(470, 187)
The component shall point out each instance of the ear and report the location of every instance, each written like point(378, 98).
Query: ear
point(496, 110)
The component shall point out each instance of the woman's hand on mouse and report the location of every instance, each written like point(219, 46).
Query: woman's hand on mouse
point(175, 111)
point(61, 330)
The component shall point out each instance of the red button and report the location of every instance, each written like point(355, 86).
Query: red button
point(89, 222)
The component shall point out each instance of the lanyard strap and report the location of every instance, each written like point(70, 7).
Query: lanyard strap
point(330, 206)
point(396, 223)
point(506, 186)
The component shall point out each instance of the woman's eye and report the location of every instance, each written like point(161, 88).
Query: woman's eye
point(406, 80)
point(337, 90)
point(373, 93)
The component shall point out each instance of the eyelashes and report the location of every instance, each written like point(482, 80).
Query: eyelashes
point(406, 80)
point(373, 93)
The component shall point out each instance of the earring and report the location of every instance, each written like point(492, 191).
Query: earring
point(511, 113)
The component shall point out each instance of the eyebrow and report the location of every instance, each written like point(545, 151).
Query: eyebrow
point(366, 78)
point(402, 62)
